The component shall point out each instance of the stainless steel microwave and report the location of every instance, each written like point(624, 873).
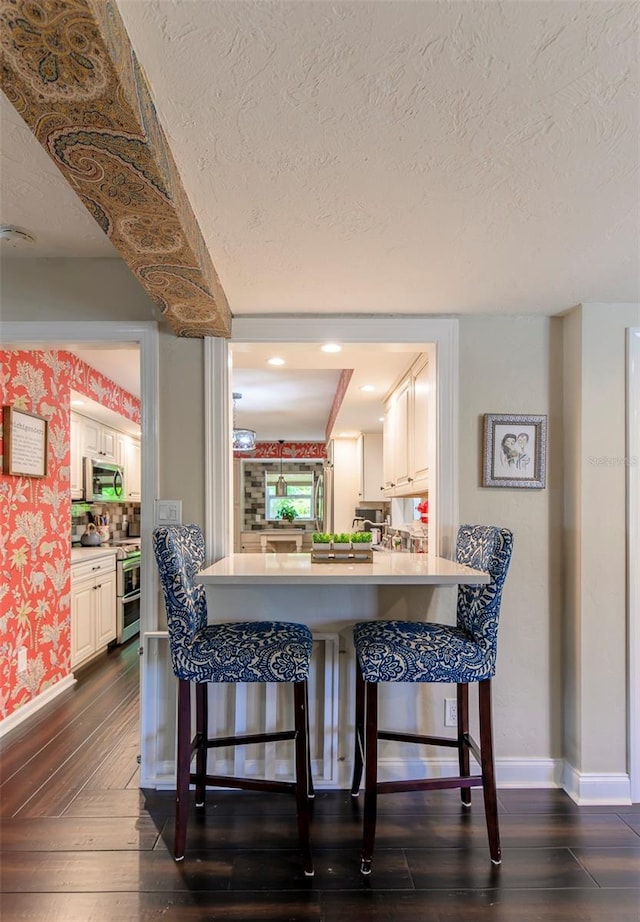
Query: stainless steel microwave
point(103, 482)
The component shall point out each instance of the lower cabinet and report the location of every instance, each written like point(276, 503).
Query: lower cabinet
point(93, 608)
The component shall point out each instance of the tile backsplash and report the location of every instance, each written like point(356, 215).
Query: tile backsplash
point(120, 515)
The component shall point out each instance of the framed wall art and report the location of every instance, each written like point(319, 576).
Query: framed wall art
point(515, 451)
point(25, 443)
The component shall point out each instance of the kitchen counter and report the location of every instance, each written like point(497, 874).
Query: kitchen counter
point(393, 568)
point(80, 553)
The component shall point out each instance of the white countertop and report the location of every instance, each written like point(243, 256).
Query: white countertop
point(296, 569)
point(90, 553)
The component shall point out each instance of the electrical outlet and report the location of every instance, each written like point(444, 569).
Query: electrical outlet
point(450, 712)
point(22, 659)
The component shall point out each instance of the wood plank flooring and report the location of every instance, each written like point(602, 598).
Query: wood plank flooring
point(80, 841)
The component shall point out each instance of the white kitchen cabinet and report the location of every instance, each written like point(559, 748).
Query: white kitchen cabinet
point(93, 607)
point(369, 451)
point(406, 433)
point(397, 439)
point(421, 425)
point(132, 469)
point(91, 439)
point(98, 441)
point(75, 464)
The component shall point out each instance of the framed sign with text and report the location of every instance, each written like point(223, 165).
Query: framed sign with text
point(25, 443)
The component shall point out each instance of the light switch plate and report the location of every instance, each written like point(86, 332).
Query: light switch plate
point(168, 512)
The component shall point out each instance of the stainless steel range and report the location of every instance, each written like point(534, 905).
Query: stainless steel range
point(127, 588)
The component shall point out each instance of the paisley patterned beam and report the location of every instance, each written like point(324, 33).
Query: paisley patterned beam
point(70, 71)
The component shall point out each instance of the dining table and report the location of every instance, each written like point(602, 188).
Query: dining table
point(330, 596)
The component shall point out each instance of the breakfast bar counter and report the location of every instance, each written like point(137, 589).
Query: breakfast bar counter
point(400, 569)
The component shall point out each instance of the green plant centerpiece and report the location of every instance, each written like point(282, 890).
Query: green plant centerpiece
point(287, 511)
point(361, 537)
point(361, 544)
point(341, 544)
point(321, 537)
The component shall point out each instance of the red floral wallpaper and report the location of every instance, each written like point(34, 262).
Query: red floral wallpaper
point(309, 450)
point(36, 522)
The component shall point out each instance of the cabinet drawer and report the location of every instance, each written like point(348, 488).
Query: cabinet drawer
point(89, 568)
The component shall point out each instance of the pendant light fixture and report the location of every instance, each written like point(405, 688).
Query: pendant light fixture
point(243, 439)
point(281, 483)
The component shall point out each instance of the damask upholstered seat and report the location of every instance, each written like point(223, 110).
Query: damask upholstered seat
point(408, 651)
point(202, 654)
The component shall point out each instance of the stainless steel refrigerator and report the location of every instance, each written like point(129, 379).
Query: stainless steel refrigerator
point(323, 499)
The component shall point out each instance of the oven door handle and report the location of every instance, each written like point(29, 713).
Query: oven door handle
point(131, 597)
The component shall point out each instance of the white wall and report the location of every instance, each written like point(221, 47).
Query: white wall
point(596, 521)
point(511, 365)
point(346, 483)
point(72, 289)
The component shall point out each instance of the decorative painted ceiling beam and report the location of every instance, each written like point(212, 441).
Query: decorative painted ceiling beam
point(69, 69)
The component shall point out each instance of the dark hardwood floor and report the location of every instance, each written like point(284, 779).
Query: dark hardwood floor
point(81, 843)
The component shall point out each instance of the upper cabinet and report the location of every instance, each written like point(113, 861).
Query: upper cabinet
point(369, 454)
point(98, 441)
point(133, 469)
point(91, 439)
point(406, 433)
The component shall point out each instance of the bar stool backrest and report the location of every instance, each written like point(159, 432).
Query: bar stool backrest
point(180, 554)
point(488, 548)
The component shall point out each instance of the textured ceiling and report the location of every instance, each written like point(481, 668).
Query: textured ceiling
point(382, 157)
point(404, 156)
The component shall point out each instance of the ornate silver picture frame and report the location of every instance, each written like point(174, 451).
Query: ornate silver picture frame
point(515, 451)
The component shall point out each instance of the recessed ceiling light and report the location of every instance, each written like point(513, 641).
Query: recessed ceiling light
point(367, 387)
point(381, 419)
point(275, 361)
point(331, 347)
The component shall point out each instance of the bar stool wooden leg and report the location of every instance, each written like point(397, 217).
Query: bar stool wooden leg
point(310, 788)
point(359, 735)
point(462, 696)
point(202, 733)
point(488, 771)
point(300, 694)
point(370, 776)
point(183, 767)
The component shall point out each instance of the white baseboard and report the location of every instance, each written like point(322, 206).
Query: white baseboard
point(27, 710)
point(596, 788)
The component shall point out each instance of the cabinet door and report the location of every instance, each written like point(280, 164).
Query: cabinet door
point(132, 471)
point(75, 471)
point(420, 427)
point(91, 438)
point(83, 634)
point(122, 444)
point(109, 445)
point(402, 441)
point(105, 609)
point(370, 455)
point(388, 441)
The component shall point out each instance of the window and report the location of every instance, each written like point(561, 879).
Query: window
point(299, 495)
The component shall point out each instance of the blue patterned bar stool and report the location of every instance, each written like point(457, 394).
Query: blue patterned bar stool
point(409, 651)
point(201, 654)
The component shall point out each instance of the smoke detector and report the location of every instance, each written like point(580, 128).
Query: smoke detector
point(11, 236)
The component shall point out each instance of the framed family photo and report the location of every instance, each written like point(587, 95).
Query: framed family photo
point(515, 451)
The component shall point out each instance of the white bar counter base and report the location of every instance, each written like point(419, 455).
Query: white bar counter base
point(400, 569)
